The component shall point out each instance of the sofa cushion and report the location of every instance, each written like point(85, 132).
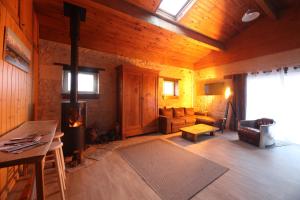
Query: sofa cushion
point(168, 112)
point(178, 112)
point(190, 120)
point(249, 130)
point(206, 119)
point(189, 111)
point(264, 121)
point(178, 121)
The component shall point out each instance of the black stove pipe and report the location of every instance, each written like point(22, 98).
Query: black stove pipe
point(76, 15)
point(74, 34)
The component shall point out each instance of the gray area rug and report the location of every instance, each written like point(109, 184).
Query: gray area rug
point(172, 172)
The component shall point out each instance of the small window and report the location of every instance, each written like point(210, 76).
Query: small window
point(88, 84)
point(174, 8)
point(170, 88)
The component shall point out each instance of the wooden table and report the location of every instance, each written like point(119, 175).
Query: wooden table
point(192, 132)
point(34, 156)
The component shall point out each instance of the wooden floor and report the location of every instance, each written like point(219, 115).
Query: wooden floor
point(254, 173)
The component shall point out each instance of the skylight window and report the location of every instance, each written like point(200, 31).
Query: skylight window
point(173, 8)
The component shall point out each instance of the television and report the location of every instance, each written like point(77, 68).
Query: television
point(214, 88)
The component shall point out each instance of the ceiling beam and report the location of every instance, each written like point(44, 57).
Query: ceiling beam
point(269, 8)
point(154, 19)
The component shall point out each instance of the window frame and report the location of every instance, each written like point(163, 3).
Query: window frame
point(175, 89)
point(180, 13)
point(81, 94)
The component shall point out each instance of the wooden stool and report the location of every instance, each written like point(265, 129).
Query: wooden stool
point(57, 137)
point(55, 148)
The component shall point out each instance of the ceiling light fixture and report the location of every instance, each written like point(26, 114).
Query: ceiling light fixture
point(250, 15)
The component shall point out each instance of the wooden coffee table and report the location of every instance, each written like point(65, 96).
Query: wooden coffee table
point(192, 132)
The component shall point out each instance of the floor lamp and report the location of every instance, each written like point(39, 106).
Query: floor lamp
point(228, 96)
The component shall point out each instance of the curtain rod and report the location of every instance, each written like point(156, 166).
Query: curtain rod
point(285, 69)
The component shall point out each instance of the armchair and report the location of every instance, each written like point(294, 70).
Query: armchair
point(256, 132)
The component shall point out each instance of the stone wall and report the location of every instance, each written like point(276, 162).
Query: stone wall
point(102, 111)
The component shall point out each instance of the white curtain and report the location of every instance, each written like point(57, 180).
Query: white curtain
point(276, 95)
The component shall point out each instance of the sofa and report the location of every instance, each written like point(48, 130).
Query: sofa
point(172, 119)
point(256, 132)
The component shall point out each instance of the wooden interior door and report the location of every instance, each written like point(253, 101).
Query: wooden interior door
point(149, 102)
point(132, 92)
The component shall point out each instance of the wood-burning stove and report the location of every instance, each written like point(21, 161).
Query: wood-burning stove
point(73, 124)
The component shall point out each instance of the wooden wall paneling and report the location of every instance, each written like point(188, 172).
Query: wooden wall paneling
point(35, 83)
point(26, 17)
point(13, 8)
point(35, 70)
point(9, 124)
point(15, 86)
point(28, 96)
point(12, 79)
point(1, 97)
point(18, 31)
point(20, 94)
point(25, 96)
point(24, 78)
point(4, 99)
point(2, 24)
point(3, 172)
point(17, 94)
point(16, 91)
point(14, 95)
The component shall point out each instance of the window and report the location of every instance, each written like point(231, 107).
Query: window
point(276, 95)
point(174, 8)
point(170, 88)
point(88, 83)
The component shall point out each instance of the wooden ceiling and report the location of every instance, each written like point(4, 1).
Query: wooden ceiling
point(266, 36)
point(219, 19)
point(111, 31)
point(150, 5)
